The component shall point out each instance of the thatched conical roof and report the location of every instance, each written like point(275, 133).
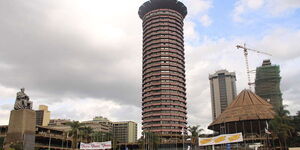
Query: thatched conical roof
point(246, 106)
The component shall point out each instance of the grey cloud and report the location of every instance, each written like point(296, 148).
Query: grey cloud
point(55, 63)
point(290, 85)
point(4, 112)
point(5, 107)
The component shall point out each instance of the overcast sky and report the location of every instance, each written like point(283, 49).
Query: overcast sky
point(83, 58)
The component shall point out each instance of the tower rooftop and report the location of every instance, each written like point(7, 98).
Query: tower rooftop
point(162, 4)
point(266, 62)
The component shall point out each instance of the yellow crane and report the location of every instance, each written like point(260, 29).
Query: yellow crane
point(247, 61)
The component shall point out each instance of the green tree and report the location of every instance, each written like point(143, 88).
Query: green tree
point(141, 143)
point(151, 140)
point(86, 133)
point(100, 136)
point(195, 132)
point(295, 140)
point(75, 130)
point(95, 136)
point(16, 146)
point(108, 136)
point(281, 126)
point(1, 142)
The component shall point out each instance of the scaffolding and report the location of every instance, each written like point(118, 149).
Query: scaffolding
point(267, 83)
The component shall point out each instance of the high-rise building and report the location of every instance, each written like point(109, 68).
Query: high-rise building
point(164, 92)
point(125, 131)
point(223, 91)
point(267, 83)
point(42, 116)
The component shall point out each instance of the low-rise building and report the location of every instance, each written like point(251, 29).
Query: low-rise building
point(60, 124)
point(99, 124)
point(125, 132)
point(45, 138)
point(42, 116)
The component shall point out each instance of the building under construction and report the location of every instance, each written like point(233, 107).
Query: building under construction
point(267, 83)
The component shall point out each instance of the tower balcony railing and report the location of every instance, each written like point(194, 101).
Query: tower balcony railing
point(158, 12)
point(163, 114)
point(171, 104)
point(170, 80)
point(158, 83)
point(150, 48)
point(158, 33)
point(166, 15)
point(164, 98)
point(169, 19)
point(162, 109)
point(163, 24)
point(163, 42)
point(164, 119)
point(157, 29)
point(163, 125)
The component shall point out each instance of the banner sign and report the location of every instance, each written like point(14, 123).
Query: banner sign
point(221, 139)
point(96, 145)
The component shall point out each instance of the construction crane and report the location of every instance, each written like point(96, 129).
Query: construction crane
point(247, 61)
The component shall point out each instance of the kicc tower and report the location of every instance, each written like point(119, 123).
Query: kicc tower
point(164, 92)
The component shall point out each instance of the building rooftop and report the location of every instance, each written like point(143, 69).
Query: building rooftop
point(119, 122)
point(246, 106)
point(266, 62)
point(223, 71)
point(162, 4)
point(100, 118)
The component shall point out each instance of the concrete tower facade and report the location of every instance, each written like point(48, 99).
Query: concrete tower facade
point(164, 92)
point(223, 91)
point(42, 115)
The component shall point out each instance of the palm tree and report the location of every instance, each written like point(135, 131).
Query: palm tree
point(141, 143)
point(94, 136)
point(64, 139)
point(295, 141)
point(151, 140)
point(75, 127)
point(16, 146)
point(100, 136)
point(108, 136)
point(86, 133)
point(195, 132)
point(280, 125)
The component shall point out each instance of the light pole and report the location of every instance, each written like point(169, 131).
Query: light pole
point(176, 143)
point(49, 146)
point(183, 142)
point(67, 140)
point(102, 134)
point(62, 141)
point(183, 138)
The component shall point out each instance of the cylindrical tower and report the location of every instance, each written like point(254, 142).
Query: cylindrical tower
point(164, 92)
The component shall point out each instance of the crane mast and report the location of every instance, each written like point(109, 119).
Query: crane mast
point(245, 49)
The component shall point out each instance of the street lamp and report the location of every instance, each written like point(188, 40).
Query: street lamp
point(49, 146)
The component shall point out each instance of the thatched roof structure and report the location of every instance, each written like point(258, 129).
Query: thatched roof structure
point(246, 106)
